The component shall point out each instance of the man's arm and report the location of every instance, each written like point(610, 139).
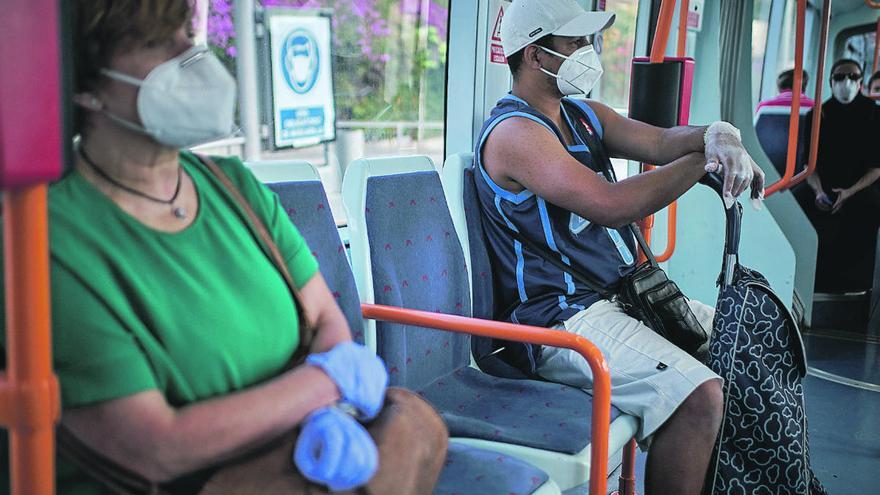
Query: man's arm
point(844, 194)
point(635, 140)
point(522, 154)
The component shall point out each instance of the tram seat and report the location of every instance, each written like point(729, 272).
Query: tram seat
point(469, 470)
point(405, 252)
point(771, 125)
point(461, 196)
point(302, 196)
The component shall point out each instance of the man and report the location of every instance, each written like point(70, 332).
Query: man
point(785, 83)
point(535, 176)
point(844, 207)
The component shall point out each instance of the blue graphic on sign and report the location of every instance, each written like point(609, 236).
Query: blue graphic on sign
point(302, 123)
point(300, 60)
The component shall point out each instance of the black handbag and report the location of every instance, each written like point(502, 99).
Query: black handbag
point(646, 294)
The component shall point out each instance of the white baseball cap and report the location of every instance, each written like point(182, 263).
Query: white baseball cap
point(526, 21)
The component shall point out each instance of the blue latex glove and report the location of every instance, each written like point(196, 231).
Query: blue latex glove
point(335, 450)
point(359, 374)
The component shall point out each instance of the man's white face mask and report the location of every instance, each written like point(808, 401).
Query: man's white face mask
point(845, 91)
point(579, 73)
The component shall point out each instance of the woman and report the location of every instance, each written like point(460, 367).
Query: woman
point(173, 331)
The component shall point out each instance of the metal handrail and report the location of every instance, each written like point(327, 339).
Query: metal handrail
point(794, 118)
point(534, 335)
point(817, 98)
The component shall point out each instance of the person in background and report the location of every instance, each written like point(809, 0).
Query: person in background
point(173, 331)
point(844, 204)
point(874, 86)
point(784, 84)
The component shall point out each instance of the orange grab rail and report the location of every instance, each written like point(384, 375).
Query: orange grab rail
point(531, 335)
point(794, 119)
point(29, 403)
point(658, 49)
point(874, 4)
point(817, 98)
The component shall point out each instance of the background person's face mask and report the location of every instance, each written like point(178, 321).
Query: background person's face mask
point(845, 91)
point(182, 102)
point(579, 72)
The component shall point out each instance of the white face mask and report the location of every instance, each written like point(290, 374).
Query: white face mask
point(578, 73)
point(845, 91)
point(185, 101)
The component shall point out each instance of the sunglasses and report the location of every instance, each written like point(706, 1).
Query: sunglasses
point(852, 76)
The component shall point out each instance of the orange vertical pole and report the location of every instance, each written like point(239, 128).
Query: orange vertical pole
point(682, 27)
point(672, 210)
point(817, 97)
point(794, 120)
point(29, 403)
point(658, 50)
point(661, 33)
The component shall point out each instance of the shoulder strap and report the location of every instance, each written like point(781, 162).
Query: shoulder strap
point(258, 229)
point(585, 131)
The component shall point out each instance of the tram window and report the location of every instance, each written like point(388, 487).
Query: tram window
point(618, 43)
point(760, 31)
point(860, 47)
point(389, 78)
point(774, 25)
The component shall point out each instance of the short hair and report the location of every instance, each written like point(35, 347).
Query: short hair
point(875, 76)
point(103, 28)
point(785, 81)
point(845, 61)
point(515, 60)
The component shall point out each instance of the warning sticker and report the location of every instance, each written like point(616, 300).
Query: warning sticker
point(496, 32)
point(496, 51)
point(497, 54)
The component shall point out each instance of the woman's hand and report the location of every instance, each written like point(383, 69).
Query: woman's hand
point(359, 374)
point(335, 450)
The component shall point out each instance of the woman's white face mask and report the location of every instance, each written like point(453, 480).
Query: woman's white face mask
point(182, 102)
point(579, 73)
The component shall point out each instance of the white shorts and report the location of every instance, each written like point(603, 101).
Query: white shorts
point(650, 377)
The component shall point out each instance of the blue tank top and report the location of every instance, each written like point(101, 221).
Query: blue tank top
point(529, 289)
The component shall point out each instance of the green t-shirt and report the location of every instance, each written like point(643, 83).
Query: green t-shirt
point(195, 314)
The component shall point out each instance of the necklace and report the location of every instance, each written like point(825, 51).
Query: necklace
point(178, 211)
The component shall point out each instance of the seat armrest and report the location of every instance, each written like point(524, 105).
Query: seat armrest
point(532, 335)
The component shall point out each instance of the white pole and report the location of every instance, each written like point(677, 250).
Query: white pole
point(201, 22)
point(246, 69)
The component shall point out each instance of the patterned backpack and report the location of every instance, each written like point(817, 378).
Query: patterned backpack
point(756, 347)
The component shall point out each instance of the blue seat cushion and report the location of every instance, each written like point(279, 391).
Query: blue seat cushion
point(307, 207)
point(543, 415)
point(472, 471)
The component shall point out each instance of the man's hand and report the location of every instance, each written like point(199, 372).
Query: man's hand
point(726, 154)
point(842, 196)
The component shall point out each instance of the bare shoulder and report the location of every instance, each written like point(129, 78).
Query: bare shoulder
point(517, 143)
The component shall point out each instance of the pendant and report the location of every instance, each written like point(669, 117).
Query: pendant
point(179, 212)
